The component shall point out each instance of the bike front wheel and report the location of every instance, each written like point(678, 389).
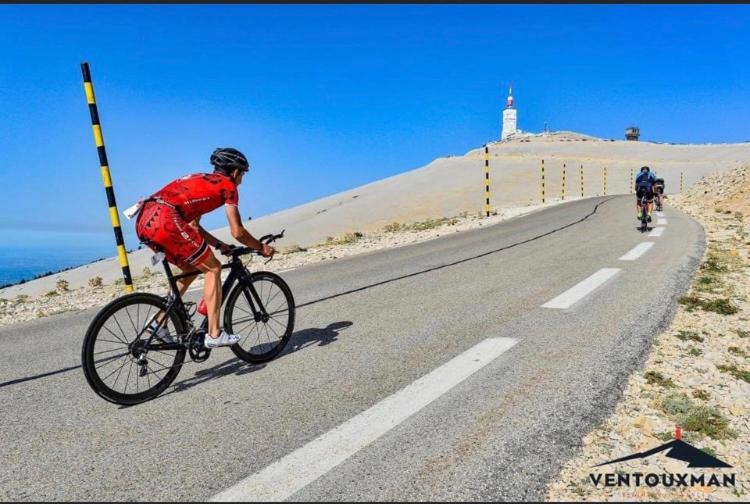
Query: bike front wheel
point(262, 313)
point(117, 362)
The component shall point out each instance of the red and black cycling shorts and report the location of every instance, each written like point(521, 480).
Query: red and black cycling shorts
point(163, 229)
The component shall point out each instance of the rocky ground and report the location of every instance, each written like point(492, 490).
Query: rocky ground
point(290, 256)
point(697, 374)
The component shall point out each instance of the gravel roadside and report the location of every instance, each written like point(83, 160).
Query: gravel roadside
point(697, 375)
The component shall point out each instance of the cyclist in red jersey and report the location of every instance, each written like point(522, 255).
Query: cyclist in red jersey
point(169, 222)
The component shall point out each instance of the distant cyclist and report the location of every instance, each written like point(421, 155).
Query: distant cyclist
point(644, 184)
point(169, 222)
point(658, 191)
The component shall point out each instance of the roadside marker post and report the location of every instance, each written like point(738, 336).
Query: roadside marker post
point(487, 180)
point(106, 176)
point(680, 181)
point(581, 181)
point(543, 195)
point(631, 182)
point(605, 181)
point(563, 183)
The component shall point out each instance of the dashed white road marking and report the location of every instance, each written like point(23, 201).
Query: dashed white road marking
point(291, 473)
point(657, 231)
point(659, 214)
point(582, 289)
point(661, 222)
point(637, 251)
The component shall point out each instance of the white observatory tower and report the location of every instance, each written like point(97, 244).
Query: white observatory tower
point(509, 117)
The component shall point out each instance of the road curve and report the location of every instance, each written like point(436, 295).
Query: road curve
point(375, 334)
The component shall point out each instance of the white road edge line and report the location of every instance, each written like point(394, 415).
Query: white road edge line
point(661, 222)
point(293, 472)
point(657, 231)
point(581, 289)
point(637, 251)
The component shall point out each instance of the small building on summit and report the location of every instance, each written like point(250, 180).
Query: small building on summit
point(632, 133)
point(510, 118)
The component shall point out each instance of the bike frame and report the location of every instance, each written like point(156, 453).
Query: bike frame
point(237, 273)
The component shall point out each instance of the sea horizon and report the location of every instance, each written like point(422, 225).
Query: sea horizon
point(26, 254)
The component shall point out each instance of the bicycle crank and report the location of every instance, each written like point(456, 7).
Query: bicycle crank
point(198, 352)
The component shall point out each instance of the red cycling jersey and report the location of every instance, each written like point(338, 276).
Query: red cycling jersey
point(166, 227)
point(198, 194)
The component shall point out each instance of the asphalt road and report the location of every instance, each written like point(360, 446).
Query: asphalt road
point(368, 327)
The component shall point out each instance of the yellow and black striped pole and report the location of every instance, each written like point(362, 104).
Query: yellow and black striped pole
point(106, 177)
point(631, 181)
point(605, 181)
point(543, 194)
point(487, 180)
point(581, 181)
point(563, 183)
point(680, 181)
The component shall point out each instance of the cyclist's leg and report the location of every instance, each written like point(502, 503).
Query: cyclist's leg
point(650, 204)
point(191, 253)
point(638, 209)
point(184, 283)
point(182, 244)
point(211, 268)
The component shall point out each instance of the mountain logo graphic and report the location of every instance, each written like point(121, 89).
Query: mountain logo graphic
point(679, 450)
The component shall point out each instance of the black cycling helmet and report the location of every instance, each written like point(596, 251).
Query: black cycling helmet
point(646, 168)
point(226, 160)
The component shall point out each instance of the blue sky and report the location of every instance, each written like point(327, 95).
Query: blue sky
point(325, 98)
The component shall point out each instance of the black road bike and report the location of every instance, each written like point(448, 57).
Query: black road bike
point(128, 362)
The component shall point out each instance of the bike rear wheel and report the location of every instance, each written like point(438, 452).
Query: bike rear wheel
point(266, 329)
point(116, 362)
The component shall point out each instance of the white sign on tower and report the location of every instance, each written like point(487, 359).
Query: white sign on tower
point(509, 117)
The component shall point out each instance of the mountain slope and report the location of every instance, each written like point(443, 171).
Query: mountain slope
point(450, 185)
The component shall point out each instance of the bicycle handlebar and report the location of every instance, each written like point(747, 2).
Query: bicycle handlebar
point(266, 239)
point(270, 238)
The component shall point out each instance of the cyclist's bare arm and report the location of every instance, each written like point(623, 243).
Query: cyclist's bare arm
point(242, 235)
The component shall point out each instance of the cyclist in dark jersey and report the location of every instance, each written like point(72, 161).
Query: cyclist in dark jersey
point(644, 184)
point(169, 222)
point(659, 190)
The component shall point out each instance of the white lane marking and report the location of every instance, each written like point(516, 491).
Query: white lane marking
point(660, 214)
point(582, 289)
point(661, 222)
point(291, 473)
point(657, 231)
point(637, 251)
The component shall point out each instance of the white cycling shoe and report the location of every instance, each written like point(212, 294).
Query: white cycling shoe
point(162, 333)
point(224, 339)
